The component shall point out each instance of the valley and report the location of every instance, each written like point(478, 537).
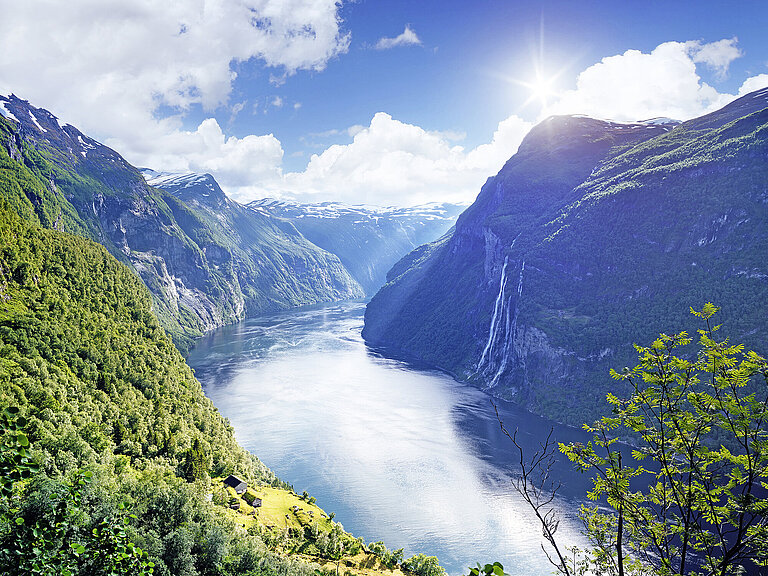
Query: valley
point(158, 335)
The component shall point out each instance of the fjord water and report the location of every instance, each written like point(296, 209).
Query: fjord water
point(400, 453)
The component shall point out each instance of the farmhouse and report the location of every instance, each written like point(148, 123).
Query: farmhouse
point(235, 483)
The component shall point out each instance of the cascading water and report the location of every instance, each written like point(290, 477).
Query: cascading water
point(493, 329)
point(503, 329)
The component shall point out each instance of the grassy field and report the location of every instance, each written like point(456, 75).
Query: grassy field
point(283, 512)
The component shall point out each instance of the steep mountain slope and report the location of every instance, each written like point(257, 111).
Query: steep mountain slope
point(102, 386)
point(199, 274)
point(367, 239)
point(593, 236)
point(109, 405)
point(277, 266)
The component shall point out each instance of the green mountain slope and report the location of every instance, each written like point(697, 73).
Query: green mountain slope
point(101, 385)
point(199, 272)
point(594, 235)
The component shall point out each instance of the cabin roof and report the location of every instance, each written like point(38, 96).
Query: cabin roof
point(235, 482)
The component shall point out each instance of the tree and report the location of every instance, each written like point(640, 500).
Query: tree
point(423, 565)
point(690, 499)
point(54, 543)
point(195, 465)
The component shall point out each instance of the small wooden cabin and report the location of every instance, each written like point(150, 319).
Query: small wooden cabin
point(239, 486)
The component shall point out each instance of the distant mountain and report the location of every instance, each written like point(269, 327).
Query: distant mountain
point(367, 239)
point(207, 260)
point(593, 236)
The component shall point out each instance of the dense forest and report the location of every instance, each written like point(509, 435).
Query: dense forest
point(101, 386)
point(112, 456)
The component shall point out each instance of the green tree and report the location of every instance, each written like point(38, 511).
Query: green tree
point(54, 543)
point(423, 565)
point(195, 465)
point(691, 498)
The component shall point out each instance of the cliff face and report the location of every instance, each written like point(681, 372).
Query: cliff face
point(205, 263)
point(274, 265)
point(593, 236)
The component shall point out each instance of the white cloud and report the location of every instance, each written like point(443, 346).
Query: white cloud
point(236, 109)
point(277, 102)
point(754, 83)
point(235, 162)
point(393, 163)
point(716, 55)
point(407, 38)
point(636, 85)
point(107, 66)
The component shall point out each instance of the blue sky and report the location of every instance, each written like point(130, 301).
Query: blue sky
point(460, 78)
point(399, 102)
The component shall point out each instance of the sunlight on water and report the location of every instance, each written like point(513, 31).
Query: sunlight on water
point(403, 455)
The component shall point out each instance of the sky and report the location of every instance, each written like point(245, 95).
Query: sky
point(377, 102)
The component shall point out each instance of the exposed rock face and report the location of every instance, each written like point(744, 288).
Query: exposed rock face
point(207, 260)
point(272, 263)
point(593, 236)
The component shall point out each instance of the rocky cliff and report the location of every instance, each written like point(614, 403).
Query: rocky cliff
point(593, 236)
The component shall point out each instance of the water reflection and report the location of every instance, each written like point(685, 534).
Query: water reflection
point(405, 455)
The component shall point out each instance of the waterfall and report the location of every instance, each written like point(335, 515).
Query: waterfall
point(503, 329)
point(499, 302)
point(511, 331)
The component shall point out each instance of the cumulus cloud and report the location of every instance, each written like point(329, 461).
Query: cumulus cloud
point(754, 83)
point(108, 66)
point(235, 162)
point(407, 38)
point(635, 85)
point(395, 163)
point(716, 55)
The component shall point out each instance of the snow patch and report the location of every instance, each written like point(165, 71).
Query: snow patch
point(36, 122)
point(7, 113)
point(182, 179)
point(85, 146)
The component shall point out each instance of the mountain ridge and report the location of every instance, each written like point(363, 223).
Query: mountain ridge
point(586, 241)
point(369, 240)
point(199, 278)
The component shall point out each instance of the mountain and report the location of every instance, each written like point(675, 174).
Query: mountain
point(207, 260)
point(367, 239)
point(127, 450)
point(593, 236)
point(107, 441)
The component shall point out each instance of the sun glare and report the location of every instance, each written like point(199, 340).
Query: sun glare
point(541, 89)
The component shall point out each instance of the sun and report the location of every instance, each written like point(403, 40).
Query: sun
point(541, 89)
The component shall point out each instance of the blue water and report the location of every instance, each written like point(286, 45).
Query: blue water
point(400, 453)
